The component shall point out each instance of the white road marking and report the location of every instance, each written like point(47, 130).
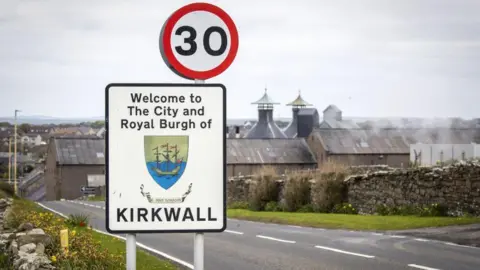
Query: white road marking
point(234, 232)
point(345, 252)
point(457, 245)
point(276, 239)
point(377, 233)
point(422, 267)
point(397, 236)
point(421, 240)
point(165, 255)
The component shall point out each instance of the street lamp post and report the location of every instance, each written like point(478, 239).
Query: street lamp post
point(15, 153)
point(9, 160)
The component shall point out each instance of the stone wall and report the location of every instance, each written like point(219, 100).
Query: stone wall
point(238, 186)
point(25, 245)
point(456, 186)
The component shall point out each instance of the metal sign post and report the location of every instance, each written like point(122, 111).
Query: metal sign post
point(198, 238)
point(131, 251)
point(167, 128)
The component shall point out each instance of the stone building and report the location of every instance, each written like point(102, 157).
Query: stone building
point(385, 146)
point(332, 118)
point(70, 161)
point(247, 156)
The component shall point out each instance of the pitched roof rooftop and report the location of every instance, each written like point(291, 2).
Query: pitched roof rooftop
point(269, 151)
point(79, 150)
point(389, 141)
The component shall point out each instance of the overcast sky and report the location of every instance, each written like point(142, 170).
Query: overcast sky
point(371, 58)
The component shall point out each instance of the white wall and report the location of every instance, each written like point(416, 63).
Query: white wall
point(432, 153)
point(96, 180)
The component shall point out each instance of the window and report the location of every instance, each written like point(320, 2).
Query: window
point(100, 155)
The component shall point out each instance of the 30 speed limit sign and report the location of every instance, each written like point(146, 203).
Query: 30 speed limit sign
point(199, 41)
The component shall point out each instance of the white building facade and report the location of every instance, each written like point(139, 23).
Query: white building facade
point(432, 154)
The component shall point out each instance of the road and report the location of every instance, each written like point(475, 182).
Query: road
point(249, 245)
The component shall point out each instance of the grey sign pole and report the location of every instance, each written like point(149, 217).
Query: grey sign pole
point(131, 251)
point(198, 240)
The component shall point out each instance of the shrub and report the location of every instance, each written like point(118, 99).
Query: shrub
point(265, 189)
point(238, 205)
point(433, 210)
point(272, 206)
point(307, 208)
point(77, 220)
point(329, 189)
point(345, 208)
point(7, 188)
point(296, 191)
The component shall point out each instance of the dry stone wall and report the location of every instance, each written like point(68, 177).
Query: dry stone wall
point(25, 245)
point(457, 186)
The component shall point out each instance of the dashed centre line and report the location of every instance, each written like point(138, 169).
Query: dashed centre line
point(422, 267)
point(421, 240)
point(345, 252)
point(276, 239)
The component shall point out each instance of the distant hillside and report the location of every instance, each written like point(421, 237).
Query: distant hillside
point(43, 120)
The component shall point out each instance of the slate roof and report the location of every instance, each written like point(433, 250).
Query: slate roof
point(332, 107)
point(389, 141)
point(79, 150)
point(269, 151)
point(343, 124)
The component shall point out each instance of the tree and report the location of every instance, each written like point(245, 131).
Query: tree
point(25, 128)
point(97, 124)
point(5, 124)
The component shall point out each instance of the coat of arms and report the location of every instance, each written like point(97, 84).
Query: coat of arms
point(166, 158)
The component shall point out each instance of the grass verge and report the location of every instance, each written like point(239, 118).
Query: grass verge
point(88, 249)
point(96, 198)
point(353, 222)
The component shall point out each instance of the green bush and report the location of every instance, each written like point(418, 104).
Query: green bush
point(432, 210)
point(307, 208)
point(272, 207)
point(297, 191)
point(328, 191)
point(7, 188)
point(77, 220)
point(265, 189)
point(238, 205)
point(345, 208)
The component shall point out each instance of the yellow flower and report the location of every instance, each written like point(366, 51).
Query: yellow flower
point(54, 259)
point(73, 233)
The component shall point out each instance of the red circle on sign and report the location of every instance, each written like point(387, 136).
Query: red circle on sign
point(167, 47)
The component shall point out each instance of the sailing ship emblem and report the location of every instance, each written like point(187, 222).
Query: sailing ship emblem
point(166, 158)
